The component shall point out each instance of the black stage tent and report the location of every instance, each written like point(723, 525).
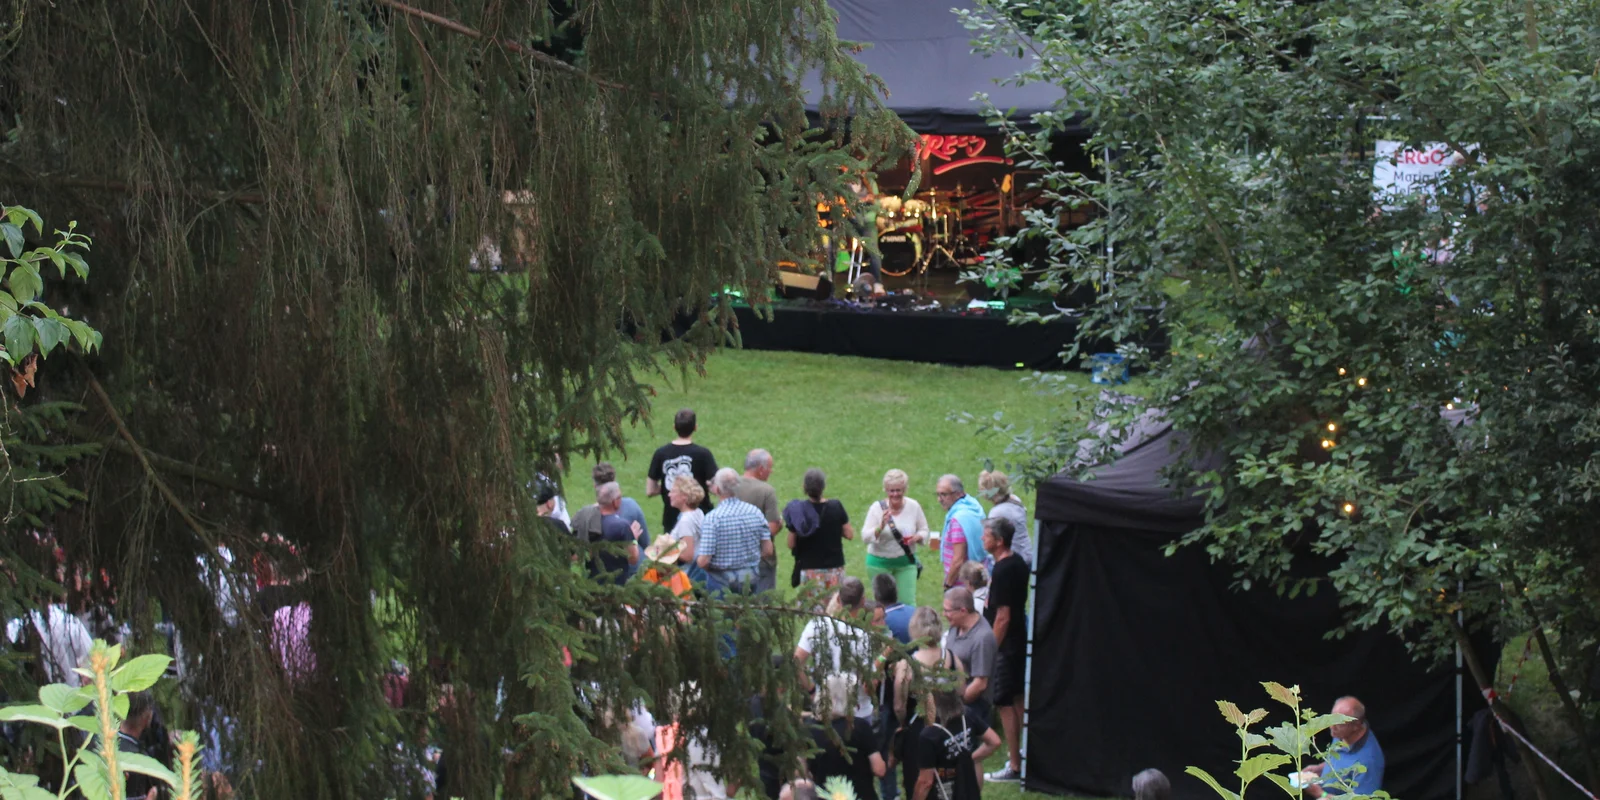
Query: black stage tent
point(924, 55)
point(1132, 648)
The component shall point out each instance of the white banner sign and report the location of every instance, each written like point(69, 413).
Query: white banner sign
point(1402, 170)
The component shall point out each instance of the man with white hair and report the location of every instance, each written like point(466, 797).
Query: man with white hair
point(734, 538)
point(962, 536)
point(754, 489)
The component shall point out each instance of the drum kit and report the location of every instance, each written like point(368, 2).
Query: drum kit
point(924, 232)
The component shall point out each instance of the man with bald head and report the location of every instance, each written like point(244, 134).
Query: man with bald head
point(1355, 761)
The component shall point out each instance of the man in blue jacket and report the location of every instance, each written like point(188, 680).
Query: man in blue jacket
point(961, 538)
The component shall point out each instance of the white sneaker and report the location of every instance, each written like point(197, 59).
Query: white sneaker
point(1006, 775)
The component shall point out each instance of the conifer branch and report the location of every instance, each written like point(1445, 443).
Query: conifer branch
point(144, 461)
point(544, 59)
point(172, 465)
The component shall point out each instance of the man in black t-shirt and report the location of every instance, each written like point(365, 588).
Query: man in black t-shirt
point(1007, 613)
point(949, 749)
point(681, 456)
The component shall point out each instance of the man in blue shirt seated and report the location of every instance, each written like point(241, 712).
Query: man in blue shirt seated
point(1354, 746)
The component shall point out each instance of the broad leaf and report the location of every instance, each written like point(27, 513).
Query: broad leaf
point(85, 723)
point(13, 237)
point(1212, 782)
point(1285, 695)
point(79, 266)
point(19, 336)
point(1322, 722)
point(1256, 766)
point(92, 779)
point(141, 673)
point(145, 765)
point(119, 706)
point(32, 713)
point(63, 698)
point(25, 283)
point(618, 787)
point(51, 333)
point(16, 786)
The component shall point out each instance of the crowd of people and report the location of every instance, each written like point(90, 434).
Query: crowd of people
point(880, 735)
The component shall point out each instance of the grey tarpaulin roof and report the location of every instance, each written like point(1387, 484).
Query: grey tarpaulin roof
point(924, 55)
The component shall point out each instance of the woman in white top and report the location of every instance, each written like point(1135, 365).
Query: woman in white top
point(996, 488)
point(685, 495)
point(895, 526)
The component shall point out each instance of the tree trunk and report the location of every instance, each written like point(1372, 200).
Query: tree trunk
point(1485, 680)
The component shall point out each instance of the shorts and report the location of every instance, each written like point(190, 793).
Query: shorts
point(829, 578)
point(1009, 673)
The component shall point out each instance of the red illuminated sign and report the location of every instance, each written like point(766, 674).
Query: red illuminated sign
point(946, 148)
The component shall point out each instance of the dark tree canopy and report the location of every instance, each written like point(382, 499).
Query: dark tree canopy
point(362, 268)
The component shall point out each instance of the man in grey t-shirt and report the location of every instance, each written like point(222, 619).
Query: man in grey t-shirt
point(754, 489)
point(971, 646)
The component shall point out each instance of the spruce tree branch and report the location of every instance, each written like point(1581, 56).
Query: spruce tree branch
point(144, 461)
point(171, 465)
point(543, 59)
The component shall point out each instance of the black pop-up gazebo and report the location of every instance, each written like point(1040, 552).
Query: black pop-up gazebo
point(924, 55)
point(1131, 648)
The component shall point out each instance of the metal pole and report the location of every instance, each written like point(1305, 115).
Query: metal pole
point(1027, 658)
point(1460, 620)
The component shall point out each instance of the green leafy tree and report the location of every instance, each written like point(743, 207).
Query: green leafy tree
point(33, 456)
point(368, 266)
point(1404, 386)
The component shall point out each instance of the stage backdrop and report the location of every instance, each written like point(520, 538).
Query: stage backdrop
point(1132, 649)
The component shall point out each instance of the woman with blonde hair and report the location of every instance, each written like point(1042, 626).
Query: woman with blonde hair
point(906, 723)
point(685, 494)
point(996, 488)
point(894, 528)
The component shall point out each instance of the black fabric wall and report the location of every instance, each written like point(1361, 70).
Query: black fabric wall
point(1132, 649)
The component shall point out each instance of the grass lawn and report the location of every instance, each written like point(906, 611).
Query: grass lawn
point(854, 418)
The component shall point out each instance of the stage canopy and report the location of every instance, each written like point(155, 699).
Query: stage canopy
point(1132, 648)
point(921, 51)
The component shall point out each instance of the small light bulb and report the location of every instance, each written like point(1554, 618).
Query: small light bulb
point(1327, 444)
point(1349, 508)
point(1451, 406)
point(1361, 381)
point(1332, 427)
point(1341, 370)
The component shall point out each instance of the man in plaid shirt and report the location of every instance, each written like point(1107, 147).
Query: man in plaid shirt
point(733, 538)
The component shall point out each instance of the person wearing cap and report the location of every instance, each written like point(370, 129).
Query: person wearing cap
point(545, 499)
point(995, 486)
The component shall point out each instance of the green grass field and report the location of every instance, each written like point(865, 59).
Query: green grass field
point(854, 418)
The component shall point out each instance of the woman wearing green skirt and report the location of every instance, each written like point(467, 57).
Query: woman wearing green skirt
point(894, 528)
